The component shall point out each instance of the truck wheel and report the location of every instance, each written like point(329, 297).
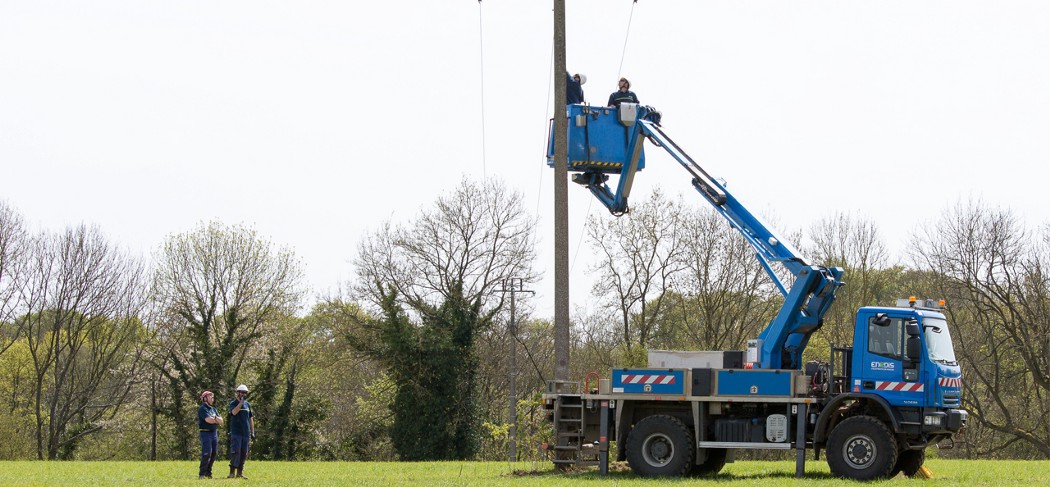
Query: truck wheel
point(660, 446)
point(909, 462)
point(861, 448)
point(716, 460)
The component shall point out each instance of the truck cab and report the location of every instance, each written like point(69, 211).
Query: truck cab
point(904, 355)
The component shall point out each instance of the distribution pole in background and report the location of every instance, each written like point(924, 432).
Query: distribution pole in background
point(513, 286)
point(561, 202)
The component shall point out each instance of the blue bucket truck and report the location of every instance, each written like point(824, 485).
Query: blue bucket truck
point(873, 408)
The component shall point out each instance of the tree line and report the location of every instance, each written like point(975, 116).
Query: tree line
point(103, 354)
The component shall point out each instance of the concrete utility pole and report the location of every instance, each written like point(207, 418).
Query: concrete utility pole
point(513, 286)
point(561, 202)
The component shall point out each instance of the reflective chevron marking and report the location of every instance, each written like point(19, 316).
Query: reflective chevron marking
point(899, 386)
point(946, 382)
point(647, 379)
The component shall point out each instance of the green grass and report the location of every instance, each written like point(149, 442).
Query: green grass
point(490, 474)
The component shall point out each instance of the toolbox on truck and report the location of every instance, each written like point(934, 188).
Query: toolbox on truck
point(648, 381)
point(755, 382)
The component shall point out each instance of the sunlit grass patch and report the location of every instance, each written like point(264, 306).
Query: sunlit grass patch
point(491, 474)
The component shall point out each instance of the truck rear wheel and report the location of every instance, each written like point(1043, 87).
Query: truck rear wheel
point(716, 460)
point(909, 462)
point(660, 446)
point(862, 448)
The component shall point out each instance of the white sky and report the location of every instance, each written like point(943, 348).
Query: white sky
point(315, 121)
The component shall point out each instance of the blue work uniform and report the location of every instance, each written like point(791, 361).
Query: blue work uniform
point(619, 97)
point(240, 433)
point(573, 91)
point(209, 434)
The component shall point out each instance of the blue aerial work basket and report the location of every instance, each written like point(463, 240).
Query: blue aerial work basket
point(597, 140)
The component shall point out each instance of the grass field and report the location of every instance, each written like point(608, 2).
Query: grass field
point(489, 474)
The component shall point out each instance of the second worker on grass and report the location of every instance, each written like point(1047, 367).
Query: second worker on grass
point(242, 430)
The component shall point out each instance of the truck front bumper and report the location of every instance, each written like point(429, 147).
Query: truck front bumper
point(944, 421)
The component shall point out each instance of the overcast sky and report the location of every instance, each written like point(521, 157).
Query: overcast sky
point(316, 121)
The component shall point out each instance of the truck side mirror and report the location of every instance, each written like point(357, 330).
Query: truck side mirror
point(912, 350)
point(912, 329)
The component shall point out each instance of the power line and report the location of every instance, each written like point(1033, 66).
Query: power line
point(579, 243)
point(620, 70)
point(546, 132)
point(481, 48)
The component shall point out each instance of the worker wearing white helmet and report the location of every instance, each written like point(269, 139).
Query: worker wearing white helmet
point(622, 95)
point(242, 431)
point(574, 89)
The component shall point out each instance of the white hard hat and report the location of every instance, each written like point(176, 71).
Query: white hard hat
point(583, 78)
point(242, 388)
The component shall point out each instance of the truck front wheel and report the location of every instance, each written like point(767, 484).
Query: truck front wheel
point(862, 448)
point(909, 462)
point(660, 446)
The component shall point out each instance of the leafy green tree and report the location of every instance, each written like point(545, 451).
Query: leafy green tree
point(641, 255)
point(14, 266)
point(373, 409)
point(353, 390)
point(855, 244)
point(993, 271)
point(83, 333)
point(723, 296)
point(434, 364)
point(431, 284)
point(292, 408)
point(218, 289)
point(17, 424)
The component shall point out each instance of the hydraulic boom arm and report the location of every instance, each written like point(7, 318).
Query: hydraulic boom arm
point(782, 342)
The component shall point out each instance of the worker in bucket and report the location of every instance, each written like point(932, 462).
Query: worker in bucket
point(208, 421)
point(574, 88)
point(623, 95)
point(242, 431)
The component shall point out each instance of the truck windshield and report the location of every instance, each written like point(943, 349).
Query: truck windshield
point(939, 341)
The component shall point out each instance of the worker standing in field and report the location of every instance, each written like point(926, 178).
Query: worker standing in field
point(623, 95)
point(242, 431)
point(208, 421)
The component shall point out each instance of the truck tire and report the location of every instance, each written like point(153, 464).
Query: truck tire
point(660, 446)
point(861, 448)
point(716, 460)
point(909, 462)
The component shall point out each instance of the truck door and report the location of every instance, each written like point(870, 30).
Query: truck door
point(886, 370)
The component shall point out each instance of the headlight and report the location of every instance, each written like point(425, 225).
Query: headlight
point(932, 420)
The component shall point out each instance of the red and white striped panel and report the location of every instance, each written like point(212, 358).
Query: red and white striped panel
point(946, 382)
point(899, 386)
point(647, 379)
